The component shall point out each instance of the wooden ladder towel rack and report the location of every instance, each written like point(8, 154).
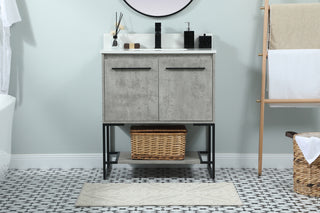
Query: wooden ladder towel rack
point(263, 100)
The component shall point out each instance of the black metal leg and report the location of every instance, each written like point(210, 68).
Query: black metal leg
point(106, 143)
point(211, 150)
point(106, 162)
point(104, 150)
point(108, 147)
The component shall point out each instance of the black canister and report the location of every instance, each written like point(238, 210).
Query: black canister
point(205, 41)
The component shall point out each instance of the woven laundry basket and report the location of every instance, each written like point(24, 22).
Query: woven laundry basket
point(158, 142)
point(306, 177)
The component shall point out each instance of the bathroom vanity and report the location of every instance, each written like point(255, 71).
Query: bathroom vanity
point(169, 86)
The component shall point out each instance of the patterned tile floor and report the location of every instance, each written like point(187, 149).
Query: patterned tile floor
point(56, 190)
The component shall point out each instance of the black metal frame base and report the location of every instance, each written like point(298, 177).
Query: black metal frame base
point(108, 160)
point(210, 153)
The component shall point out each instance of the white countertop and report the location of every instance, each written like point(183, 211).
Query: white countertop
point(158, 51)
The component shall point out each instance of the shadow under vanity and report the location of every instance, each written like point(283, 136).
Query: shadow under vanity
point(149, 86)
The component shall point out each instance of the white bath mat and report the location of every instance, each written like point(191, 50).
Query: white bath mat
point(158, 194)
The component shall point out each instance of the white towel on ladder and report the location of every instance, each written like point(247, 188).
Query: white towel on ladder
point(294, 74)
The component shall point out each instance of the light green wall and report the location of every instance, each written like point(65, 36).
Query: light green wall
point(56, 75)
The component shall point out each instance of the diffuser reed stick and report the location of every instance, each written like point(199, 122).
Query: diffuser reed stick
point(118, 28)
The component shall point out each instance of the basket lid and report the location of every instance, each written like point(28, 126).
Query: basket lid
point(158, 129)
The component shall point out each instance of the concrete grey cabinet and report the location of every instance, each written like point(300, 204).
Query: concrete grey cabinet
point(131, 88)
point(158, 88)
point(186, 88)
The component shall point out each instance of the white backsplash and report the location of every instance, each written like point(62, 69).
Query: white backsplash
point(168, 40)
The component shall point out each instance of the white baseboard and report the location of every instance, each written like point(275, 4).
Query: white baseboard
point(94, 160)
point(250, 160)
point(65, 161)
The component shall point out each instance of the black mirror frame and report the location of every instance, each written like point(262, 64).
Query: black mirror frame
point(158, 16)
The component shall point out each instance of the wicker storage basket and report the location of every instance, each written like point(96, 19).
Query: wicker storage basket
point(158, 142)
point(306, 177)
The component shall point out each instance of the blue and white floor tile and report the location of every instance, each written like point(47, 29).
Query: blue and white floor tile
point(56, 190)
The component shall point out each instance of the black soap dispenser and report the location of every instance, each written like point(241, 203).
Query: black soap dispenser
point(157, 37)
point(188, 38)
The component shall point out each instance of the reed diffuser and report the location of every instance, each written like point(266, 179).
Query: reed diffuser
point(117, 30)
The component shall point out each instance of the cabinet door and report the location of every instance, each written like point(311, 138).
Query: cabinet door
point(130, 88)
point(186, 88)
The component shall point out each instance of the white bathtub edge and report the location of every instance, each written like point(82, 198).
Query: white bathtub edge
point(8, 101)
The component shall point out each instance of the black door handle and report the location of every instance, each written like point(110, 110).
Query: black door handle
point(186, 68)
point(130, 68)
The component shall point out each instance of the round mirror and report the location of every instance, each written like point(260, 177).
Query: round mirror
point(158, 8)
